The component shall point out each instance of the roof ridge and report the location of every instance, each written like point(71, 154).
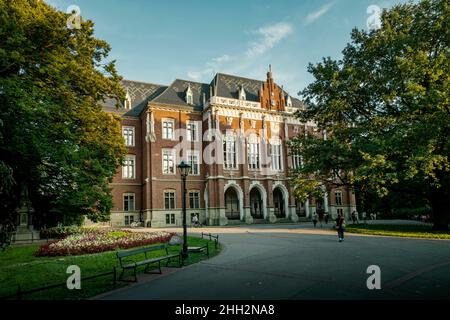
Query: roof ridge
point(189, 81)
point(143, 82)
point(232, 75)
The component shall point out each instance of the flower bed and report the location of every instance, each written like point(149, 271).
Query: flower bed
point(93, 240)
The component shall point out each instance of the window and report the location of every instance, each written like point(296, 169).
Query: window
point(230, 153)
point(128, 135)
point(289, 102)
point(253, 156)
point(129, 220)
point(242, 95)
point(276, 157)
point(169, 199)
point(194, 199)
point(168, 158)
point(296, 160)
point(129, 167)
point(338, 195)
point(170, 219)
point(194, 162)
point(189, 95)
point(127, 102)
point(168, 129)
point(192, 131)
point(128, 202)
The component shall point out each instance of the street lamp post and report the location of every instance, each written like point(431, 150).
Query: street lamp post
point(184, 168)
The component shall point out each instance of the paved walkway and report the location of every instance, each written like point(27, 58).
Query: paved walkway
point(296, 262)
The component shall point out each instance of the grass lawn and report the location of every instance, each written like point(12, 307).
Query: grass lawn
point(415, 231)
point(19, 266)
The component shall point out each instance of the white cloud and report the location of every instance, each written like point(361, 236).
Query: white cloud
point(222, 59)
point(244, 63)
point(313, 16)
point(269, 37)
point(210, 67)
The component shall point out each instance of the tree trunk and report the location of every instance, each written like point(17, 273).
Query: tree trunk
point(440, 203)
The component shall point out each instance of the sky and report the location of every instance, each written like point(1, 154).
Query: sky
point(160, 41)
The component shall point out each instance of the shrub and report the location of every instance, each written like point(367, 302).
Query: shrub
point(91, 240)
point(410, 213)
point(59, 232)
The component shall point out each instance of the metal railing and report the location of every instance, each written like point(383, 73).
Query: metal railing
point(211, 236)
point(20, 293)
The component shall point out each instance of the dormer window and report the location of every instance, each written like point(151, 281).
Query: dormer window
point(189, 96)
point(289, 102)
point(242, 95)
point(127, 102)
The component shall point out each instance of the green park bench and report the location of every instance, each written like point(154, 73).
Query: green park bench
point(127, 263)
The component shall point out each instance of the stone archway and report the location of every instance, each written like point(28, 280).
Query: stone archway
point(281, 201)
point(234, 202)
point(258, 201)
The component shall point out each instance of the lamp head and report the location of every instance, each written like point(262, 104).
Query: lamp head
point(184, 168)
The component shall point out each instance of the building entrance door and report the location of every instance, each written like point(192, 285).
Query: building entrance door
point(232, 205)
point(278, 202)
point(256, 204)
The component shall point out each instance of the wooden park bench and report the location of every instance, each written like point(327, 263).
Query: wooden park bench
point(126, 262)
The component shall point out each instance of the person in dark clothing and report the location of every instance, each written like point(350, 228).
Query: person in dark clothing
point(354, 217)
point(340, 226)
point(314, 219)
point(326, 218)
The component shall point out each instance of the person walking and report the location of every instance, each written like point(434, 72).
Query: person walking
point(354, 217)
point(327, 217)
point(196, 221)
point(340, 226)
point(314, 219)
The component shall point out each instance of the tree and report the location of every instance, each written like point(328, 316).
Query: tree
point(55, 139)
point(385, 109)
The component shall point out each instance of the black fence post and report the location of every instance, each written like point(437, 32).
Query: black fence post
point(114, 277)
point(19, 293)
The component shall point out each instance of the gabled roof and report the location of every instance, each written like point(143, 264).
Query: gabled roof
point(140, 94)
point(228, 86)
point(175, 94)
point(223, 85)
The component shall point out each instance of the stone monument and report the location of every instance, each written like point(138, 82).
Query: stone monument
point(25, 231)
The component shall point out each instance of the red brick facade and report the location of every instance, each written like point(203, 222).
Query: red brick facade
point(241, 128)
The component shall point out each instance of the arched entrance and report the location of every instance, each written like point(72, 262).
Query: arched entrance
point(256, 204)
point(278, 203)
point(232, 207)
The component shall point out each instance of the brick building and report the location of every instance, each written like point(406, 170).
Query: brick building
point(233, 131)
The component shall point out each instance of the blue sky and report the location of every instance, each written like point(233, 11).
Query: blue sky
point(159, 41)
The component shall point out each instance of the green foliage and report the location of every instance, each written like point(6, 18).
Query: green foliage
point(54, 137)
point(404, 231)
point(385, 107)
point(59, 232)
point(19, 266)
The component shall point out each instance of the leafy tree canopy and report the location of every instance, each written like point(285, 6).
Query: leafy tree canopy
point(55, 140)
point(385, 110)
